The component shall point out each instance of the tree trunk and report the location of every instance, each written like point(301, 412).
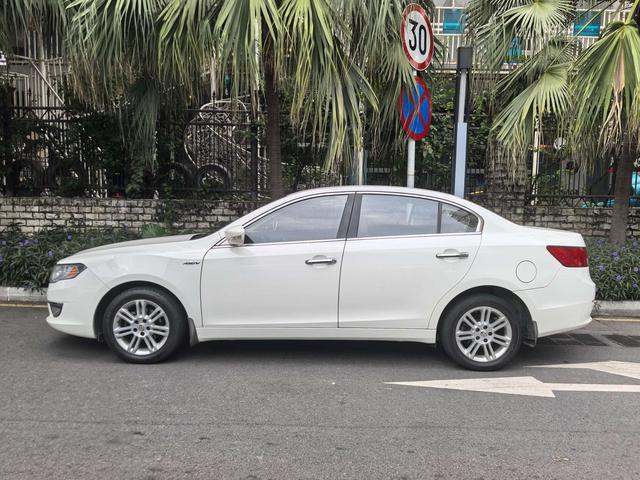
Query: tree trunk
point(620, 213)
point(274, 149)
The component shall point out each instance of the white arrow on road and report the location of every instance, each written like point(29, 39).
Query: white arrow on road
point(627, 369)
point(519, 386)
point(531, 386)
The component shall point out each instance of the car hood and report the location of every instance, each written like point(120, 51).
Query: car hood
point(136, 243)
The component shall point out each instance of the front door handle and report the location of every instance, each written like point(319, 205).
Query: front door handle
point(320, 261)
point(453, 254)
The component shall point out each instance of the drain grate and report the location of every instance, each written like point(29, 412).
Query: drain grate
point(625, 340)
point(586, 339)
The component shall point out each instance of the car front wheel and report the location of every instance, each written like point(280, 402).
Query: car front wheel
point(482, 332)
point(144, 325)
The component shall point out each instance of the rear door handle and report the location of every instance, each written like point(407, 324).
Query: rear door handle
point(320, 261)
point(454, 254)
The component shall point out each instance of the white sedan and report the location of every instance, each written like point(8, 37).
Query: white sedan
point(350, 263)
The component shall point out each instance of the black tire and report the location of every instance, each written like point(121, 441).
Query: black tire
point(179, 175)
point(214, 178)
point(174, 320)
point(456, 351)
point(27, 177)
point(76, 178)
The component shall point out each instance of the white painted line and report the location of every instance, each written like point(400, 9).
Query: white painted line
point(528, 386)
point(626, 369)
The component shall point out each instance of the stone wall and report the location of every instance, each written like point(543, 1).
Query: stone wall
point(40, 212)
point(590, 222)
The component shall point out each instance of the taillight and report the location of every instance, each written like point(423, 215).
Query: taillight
point(570, 256)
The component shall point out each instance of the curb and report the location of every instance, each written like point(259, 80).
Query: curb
point(602, 309)
point(23, 295)
point(624, 309)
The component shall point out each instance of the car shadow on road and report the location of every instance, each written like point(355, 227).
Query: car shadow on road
point(78, 348)
point(312, 351)
point(308, 352)
point(354, 352)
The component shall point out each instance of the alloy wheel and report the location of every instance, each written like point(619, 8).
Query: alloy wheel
point(483, 334)
point(141, 327)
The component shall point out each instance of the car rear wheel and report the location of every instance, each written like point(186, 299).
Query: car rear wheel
point(144, 325)
point(482, 332)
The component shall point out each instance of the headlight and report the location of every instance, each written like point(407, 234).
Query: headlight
point(66, 271)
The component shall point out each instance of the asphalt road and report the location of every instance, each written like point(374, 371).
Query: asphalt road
point(304, 410)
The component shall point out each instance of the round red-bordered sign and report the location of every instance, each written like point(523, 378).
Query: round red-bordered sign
point(417, 36)
point(414, 105)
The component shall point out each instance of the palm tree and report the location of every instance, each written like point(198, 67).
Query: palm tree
point(588, 94)
point(607, 86)
point(112, 52)
point(341, 58)
point(329, 51)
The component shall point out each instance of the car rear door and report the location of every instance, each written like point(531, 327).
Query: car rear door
point(286, 274)
point(403, 254)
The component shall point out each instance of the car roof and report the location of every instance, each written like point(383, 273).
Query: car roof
point(385, 189)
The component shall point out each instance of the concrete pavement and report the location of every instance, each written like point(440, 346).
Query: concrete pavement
point(306, 410)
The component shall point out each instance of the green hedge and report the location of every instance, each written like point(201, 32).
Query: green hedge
point(615, 270)
point(25, 261)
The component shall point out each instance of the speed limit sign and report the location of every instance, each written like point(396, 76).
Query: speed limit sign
point(417, 36)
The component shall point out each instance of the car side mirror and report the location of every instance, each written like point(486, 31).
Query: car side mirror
point(235, 235)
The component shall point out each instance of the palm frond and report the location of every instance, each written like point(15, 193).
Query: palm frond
point(550, 93)
point(17, 17)
point(186, 42)
point(607, 84)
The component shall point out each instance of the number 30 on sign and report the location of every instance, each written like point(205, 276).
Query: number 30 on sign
point(417, 36)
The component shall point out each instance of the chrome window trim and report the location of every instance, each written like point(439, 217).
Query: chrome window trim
point(327, 240)
point(419, 235)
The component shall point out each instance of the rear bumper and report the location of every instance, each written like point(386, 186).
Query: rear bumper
point(564, 305)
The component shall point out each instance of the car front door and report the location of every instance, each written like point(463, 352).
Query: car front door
point(287, 272)
point(402, 255)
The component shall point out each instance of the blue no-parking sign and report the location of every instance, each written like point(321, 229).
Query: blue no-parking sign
point(414, 105)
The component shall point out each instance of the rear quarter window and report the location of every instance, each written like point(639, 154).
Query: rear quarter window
point(457, 220)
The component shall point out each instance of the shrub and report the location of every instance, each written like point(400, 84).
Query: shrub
point(27, 260)
point(615, 270)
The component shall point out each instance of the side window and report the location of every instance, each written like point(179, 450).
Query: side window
point(387, 215)
point(316, 218)
point(457, 220)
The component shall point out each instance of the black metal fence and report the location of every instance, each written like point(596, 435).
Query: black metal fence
point(558, 180)
point(214, 151)
point(69, 152)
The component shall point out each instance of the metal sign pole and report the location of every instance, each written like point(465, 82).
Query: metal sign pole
point(411, 157)
point(465, 56)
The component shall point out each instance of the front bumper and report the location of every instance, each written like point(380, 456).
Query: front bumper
point(79, 298)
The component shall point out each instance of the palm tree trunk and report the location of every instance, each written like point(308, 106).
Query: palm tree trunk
point(620, 213)
point(274, 149)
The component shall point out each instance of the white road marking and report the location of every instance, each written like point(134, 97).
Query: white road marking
point(626, 369)
point(529, 386)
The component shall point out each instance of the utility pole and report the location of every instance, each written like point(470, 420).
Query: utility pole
point(465, 62)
